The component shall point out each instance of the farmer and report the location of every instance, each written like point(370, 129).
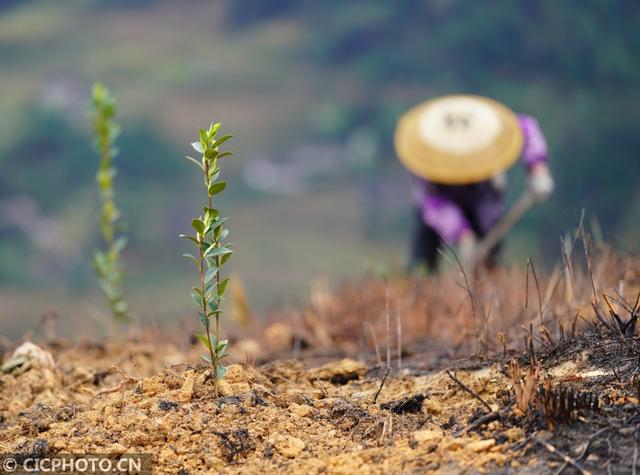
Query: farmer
point(458, 149)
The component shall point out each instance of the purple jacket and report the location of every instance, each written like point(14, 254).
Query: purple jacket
point(448, 208)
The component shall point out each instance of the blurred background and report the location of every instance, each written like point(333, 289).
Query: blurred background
point(311, 90)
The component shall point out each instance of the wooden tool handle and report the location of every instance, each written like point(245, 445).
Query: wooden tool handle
point(526, 201)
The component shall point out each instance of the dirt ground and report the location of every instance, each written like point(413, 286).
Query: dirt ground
point(480, 382)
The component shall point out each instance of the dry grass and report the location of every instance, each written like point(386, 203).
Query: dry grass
point(599, 285)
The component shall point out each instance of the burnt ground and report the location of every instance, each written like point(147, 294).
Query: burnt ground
point(285, 418)
point(500, 386)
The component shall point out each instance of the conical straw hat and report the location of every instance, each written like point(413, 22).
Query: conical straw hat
point(458, 139)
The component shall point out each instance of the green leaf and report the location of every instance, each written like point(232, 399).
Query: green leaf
point(198, 225)
point(190, 256)
point(220, 347)
point(217, 188)
point(219, 222)
point(196, 296)
point(218, 232)
point(224, 259)
point(99, 256)
point(222, 286)
point(206, 252)
point(221, 371)
point(204, 320)
point(190, 238)
point(195, 161)
point(214, 128)
point(204, 136)
point(120, 244)
point(220, 251)
point(221, 140)
point(213, 174)
point(222, 235)
point(210, 154)
point(225, 154)
point(210, 274)
point(203, 339)
point(197, 146)
point(207, 358)
point(211, 213)
point(98, 92)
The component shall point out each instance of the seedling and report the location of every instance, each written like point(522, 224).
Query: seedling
point(106, 262)
point(212, 253)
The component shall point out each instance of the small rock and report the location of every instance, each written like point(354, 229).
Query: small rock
point(240, 388)
point(31, 355)
point(288, 446)
point(224, 388)
point(300, 409)
point(186, 392)
point(116, 448)
point(427, 435)
point(481, 445)
point(328, 403)
point(151, 386)
point(432, 407)
point(455, 444)
point(338, 373)
point(363, 394)
point(235, 374)
point(514, 434)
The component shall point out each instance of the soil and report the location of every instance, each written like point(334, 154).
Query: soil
point(571, 394)
point(284, 418)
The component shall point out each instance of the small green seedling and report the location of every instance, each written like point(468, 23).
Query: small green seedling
point(106, 262)
point(212, 253)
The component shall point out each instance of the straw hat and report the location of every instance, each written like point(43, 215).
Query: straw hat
point(458, 139)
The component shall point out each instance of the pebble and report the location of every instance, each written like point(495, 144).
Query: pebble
point(455, 444)
point(427, 435)
point(186, 392)
point(288, 446)
point(481, 445)
point(432, 407)
point(300, 409)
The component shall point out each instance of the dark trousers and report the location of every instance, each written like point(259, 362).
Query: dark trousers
point(425, 243)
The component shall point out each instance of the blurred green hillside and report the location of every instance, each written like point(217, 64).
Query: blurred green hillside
point(311, 91)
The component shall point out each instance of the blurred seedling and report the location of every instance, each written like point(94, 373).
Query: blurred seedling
point(106, 262)
point(211, 252)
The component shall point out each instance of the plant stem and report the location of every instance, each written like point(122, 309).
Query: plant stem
point(107, 228)
point(218, 301)
point(204, 311)
point(212, 352)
